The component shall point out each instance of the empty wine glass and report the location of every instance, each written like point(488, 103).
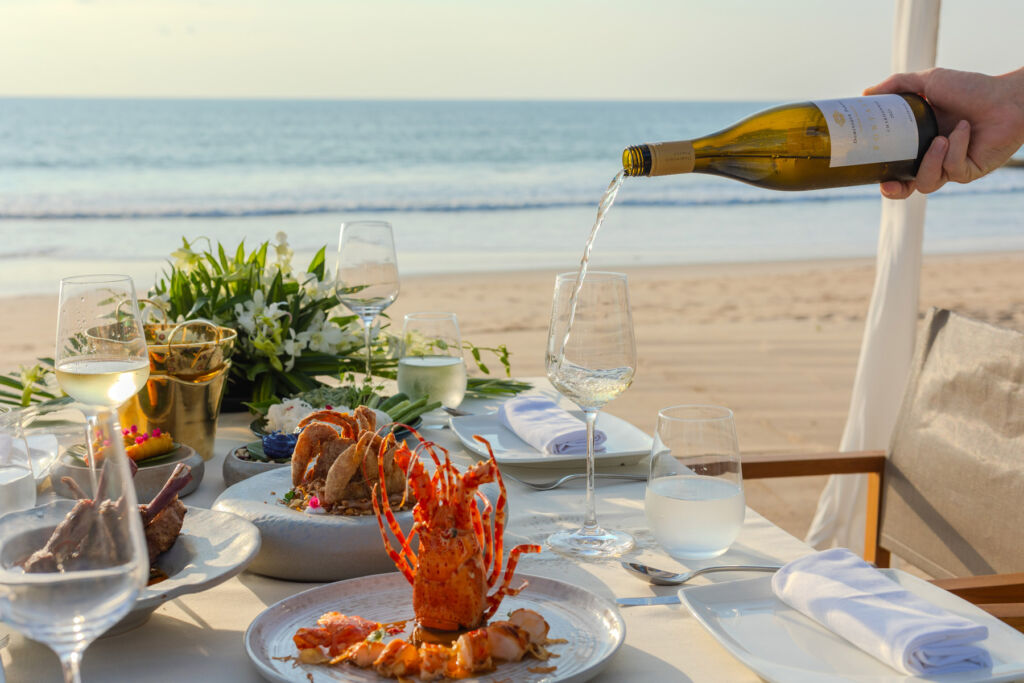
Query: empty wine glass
point(101, 357)
point(591, 359)
point(367, 280)
point(694, 500)
point(17, 482)
point(431, 364)
point(69, 570)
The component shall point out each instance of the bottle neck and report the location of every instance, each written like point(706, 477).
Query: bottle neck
point(659, 158)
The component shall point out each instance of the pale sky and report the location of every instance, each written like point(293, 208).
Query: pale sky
point(478, 49)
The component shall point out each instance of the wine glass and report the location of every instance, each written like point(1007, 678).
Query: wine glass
point(17, 481)
point(694, 500)
point(69, 570)
point(367, 280)
point(101, 357)
point(431, 364)
point(591, 359)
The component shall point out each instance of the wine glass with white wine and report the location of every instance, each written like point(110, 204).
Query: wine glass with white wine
point(367, 280)
point(101, 357)
point(591, 359)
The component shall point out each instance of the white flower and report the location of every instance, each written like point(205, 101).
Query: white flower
point(283, 253)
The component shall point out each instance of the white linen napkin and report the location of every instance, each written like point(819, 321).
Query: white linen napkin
point(542, 424)
point(854, 600)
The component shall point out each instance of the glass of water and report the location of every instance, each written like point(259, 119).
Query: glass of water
point(694, 501)
point(17, 481)
point(431, 364)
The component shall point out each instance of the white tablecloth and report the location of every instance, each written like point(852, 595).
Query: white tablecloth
point(200, 637)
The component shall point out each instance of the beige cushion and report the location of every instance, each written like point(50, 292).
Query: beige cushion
point(953, 502)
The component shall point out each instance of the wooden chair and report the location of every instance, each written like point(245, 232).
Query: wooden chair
point(949, 494)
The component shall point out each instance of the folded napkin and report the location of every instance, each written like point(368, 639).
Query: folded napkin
point(542, 424)
point(854, 600)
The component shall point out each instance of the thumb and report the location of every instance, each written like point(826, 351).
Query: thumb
point(897, 83)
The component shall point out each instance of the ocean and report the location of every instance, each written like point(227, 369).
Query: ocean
point(91, 185)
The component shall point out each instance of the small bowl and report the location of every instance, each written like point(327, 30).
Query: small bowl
point(148, 480)
point(236, 467)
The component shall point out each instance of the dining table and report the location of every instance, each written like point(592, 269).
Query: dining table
point(200, 637)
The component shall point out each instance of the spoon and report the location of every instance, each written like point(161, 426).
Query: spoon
point(660, 577)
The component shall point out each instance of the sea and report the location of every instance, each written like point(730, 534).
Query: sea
point(113, 185)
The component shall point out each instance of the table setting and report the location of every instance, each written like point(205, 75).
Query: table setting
point(454, 518)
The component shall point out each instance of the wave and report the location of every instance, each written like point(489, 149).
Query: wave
point(30, 253)
point(161, 211)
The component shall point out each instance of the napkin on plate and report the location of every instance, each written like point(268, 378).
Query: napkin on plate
point(542, 424)
point(854, 600)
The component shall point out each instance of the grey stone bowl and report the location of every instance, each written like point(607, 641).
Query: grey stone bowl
point(148, 480)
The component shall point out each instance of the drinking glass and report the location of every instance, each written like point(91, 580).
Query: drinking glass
point(431, 364)
point(101, 357)
point(591, 359)
point(69, 570)
point(694, 501)
point(367, 272)
point(17, 482)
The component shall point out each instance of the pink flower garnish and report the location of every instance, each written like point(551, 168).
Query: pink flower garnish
point(139, 440)
point(124, 432)
point(328, 408)
point(156, 431)
point(314, 502)
point(135, 428)
point(106, 443)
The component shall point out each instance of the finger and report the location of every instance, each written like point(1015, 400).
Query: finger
point(897, 189)
point(906, 82)
point(929, 174)
point(955, 164)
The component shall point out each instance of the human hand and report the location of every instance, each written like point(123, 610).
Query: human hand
point(980, 120)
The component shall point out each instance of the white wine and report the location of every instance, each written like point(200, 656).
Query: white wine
point(590, 388)
point(102, 382)
point(804, 146)
point(441, 378)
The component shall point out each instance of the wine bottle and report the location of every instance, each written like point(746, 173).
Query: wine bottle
point(804, 146)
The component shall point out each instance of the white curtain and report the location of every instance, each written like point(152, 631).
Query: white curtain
point(891, 322)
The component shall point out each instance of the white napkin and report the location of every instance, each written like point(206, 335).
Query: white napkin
point(542, 424)
point(854, 600)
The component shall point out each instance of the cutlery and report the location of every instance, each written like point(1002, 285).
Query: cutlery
point(652, 600)
point(660, 577)
point(555, 483)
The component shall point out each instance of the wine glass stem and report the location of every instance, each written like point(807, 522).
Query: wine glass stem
point(69, 662)
point(590, 516)
point(367, 325)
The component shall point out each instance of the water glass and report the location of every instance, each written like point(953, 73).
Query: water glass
point(17, 482)
point(431, 364)
point(694, 500)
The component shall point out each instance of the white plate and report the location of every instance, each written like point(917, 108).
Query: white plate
point(591, 624)
point(781, 644)
point(626, 444)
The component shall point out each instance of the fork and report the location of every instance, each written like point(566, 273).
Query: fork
point(555, 483)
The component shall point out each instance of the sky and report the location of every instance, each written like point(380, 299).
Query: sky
point(478, 49)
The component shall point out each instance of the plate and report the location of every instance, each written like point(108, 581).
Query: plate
point(235, 469)
point(781, 644)
point(592, 625)
point(148, 480)
point(259, 426)
point(302, 547)
point(212, 548)
point(626, 444)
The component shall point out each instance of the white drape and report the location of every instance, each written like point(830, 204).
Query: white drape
point(891, 322)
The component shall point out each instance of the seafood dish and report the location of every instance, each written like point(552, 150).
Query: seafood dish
point(85, 530)
point(457, 577)
point(338, 461)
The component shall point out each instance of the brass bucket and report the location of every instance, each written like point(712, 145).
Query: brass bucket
point(188, 366)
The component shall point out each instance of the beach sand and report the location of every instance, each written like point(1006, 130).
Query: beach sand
point(776, 342)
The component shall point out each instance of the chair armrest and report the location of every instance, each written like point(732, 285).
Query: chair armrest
point(1001, 595)
point(771, 465)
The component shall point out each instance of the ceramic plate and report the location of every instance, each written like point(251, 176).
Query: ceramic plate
point(212, 547)
point(626, 444)
point(781, 644)
point(148, 480)
point(303, 547)
point(591, 624)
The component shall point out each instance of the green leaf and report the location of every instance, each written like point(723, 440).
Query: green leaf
point(316, 266)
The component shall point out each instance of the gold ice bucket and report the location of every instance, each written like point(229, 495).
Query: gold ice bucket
point(188, 366)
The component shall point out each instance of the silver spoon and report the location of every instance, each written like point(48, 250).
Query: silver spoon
point(660, 577)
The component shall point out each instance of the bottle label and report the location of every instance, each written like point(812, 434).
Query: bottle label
point(870, 130)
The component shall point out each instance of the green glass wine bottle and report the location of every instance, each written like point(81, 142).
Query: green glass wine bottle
point(804, 146)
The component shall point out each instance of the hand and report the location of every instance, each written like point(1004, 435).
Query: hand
point(981, 125)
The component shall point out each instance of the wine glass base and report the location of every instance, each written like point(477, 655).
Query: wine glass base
point(591, 543)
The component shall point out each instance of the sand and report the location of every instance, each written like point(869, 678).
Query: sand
point(776, 342)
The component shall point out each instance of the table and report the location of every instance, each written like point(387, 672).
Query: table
point(199, 637)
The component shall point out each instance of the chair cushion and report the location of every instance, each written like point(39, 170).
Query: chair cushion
point(953, 502)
